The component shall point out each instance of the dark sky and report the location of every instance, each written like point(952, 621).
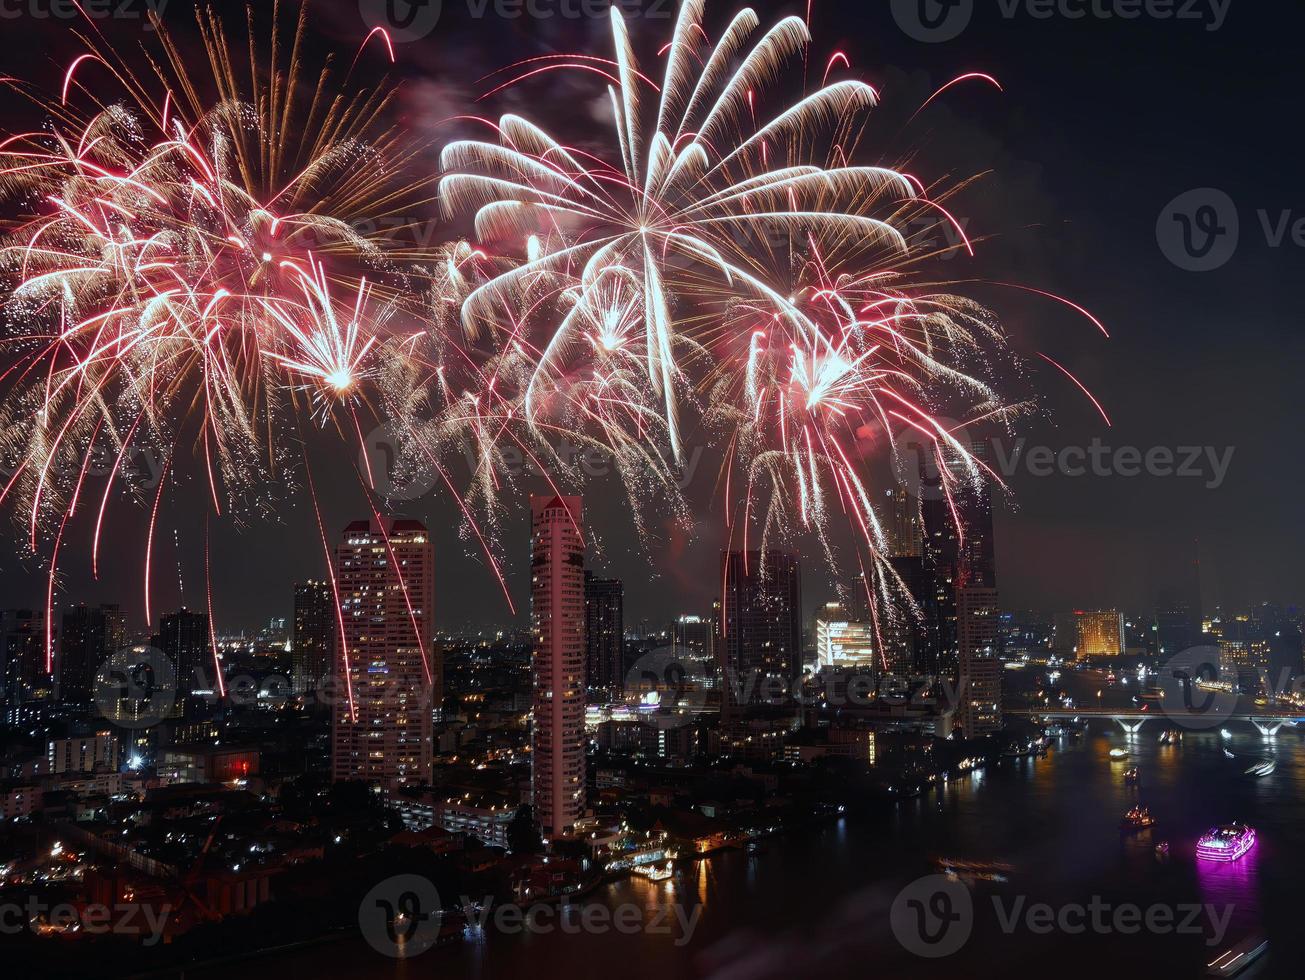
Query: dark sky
point(1103, 122)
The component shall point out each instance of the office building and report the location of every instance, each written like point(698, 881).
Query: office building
point(842, 642)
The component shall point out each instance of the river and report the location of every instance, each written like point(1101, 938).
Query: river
point(820, 902)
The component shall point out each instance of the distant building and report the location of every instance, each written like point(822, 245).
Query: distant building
point(958, 551)
point(904, 528)
point(88, 753)
point(385, 659)
point(694, 639)
point(90, 636)
point(184, 638)
point(980, 669)
point(1100, 634)
point(312, 643)
point(28, 686)
point(208, 763)
point(557, 593)
point(843, 642)
point(1177, 628)
point(760, 629)
point(604, 635)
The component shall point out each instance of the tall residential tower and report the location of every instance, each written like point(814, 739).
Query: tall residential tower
point(557, 607)
point(386, 580)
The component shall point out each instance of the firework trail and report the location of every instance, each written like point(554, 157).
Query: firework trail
point(185, 268)
point(729, 271)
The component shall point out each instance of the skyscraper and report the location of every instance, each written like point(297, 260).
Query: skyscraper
point(904, 530)
point(386, 581)
point(761, 622)
point(604, 635)
point(183, 637)
point(980, 669)
point(1100, 634)
point(842, 642)
point(90, 635)
point(28, 688)
point(958, 552)
point(557, 608)
point(312, 642)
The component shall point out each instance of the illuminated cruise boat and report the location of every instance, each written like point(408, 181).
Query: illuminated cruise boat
point(1226, 843)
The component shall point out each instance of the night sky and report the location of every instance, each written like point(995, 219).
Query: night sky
point(1103, 122)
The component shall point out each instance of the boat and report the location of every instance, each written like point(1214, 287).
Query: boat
point(1170, 736)
point(1228, 754)
point(1119, 753)
point(974, 870)
point(1132, 777)
point(1232, 961)
point(654, 873)
point(1265, 768)
point(1225, 734)
point(1162, 851)
point(1225, 844)
point(1138, 818)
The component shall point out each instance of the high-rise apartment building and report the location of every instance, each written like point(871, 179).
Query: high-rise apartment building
point(980, 669)
point(604, 635)
point(760, 629)
point(388, 676)
point(183, 637)
point(90, 636)
point(557, 593)
point(312, 640)
point(27, 687)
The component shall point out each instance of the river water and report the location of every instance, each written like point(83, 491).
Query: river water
point(820, 902)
